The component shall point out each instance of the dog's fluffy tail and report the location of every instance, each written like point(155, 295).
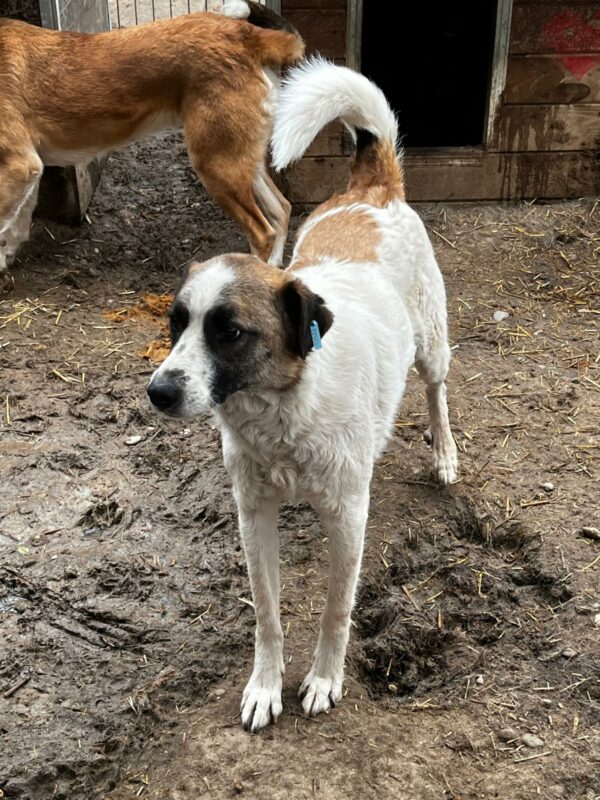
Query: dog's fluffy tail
point(278, 43)
point(318, 92)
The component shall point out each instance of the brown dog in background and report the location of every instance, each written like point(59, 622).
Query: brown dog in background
point(66, 97)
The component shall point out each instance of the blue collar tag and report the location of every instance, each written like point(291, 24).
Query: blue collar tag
point(315, 335)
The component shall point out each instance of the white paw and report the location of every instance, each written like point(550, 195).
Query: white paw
point(320, 693)
point(445, 461)
point(261, 702)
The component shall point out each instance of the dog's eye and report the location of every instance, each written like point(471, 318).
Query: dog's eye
point(229, 334)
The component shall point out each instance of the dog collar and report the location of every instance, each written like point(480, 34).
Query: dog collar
point(315, 335)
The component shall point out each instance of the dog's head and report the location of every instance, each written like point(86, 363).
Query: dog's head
point(236, 324)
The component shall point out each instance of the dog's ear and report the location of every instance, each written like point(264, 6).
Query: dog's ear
point(300, 307)
point(188, 271)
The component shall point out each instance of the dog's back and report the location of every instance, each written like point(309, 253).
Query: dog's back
point(113, 82)
point(315, 94)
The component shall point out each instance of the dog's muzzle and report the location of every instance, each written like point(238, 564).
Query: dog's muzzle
point(165, 393)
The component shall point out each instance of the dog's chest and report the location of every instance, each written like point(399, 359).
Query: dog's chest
point(267, 460)
point(260, 456)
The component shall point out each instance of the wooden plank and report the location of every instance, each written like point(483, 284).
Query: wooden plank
point(548, 27)
point(570, 2)
point(545, 79)
point(313, 180)
point(66, 192)
point(547, 127)
point(499, 67)
point(491, 176)
point(504, 176)
point(323, 30)
point(334, 140)
point(311, 4)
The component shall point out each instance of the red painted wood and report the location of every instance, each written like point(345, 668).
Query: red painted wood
point(562, 28)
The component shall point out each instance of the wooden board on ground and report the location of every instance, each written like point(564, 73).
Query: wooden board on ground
point(66, 192)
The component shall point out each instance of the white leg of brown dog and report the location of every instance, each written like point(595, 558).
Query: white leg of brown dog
point(277, 210)
point(20, 174)
point(18, 232)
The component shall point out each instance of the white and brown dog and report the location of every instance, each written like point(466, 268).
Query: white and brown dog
point(66, 97)
point(305, 422)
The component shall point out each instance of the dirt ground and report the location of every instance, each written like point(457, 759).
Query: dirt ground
point(126, 628)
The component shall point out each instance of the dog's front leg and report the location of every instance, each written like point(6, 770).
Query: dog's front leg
point(322, 687)
point(261, 701)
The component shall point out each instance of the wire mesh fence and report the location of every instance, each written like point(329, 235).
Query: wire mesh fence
point(125, 13)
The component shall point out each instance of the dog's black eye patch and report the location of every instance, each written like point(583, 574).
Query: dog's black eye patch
point(221, 328)
point(232, 348)
point(179, 318)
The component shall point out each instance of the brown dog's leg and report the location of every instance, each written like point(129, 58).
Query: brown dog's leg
point(277, 210)
point(232, 186)
point(20, 173)
point(227, 148)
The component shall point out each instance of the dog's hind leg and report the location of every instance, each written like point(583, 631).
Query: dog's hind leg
point(433, 360)
point(261, 701)
point(20, 174)
point(18, 234)
point(345, 527)
point(227, 152)
point(232, 186)
point(277, 210)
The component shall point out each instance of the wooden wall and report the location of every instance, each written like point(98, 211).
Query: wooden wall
point(552, 97)
point(545, 138)
point(322, 23)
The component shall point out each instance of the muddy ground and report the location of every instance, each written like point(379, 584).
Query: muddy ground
point(125, 625)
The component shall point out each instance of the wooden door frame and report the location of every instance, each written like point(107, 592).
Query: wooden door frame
point(499, 58)
point(50, 14)
point(274, 5)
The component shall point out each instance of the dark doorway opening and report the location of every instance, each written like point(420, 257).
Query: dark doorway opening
point(433, 61)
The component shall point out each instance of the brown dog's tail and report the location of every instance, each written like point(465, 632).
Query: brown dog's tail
point(316, 93)
point(278, 43)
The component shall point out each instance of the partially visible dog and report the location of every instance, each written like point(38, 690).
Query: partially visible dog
point(66, 97)
point(301, 422)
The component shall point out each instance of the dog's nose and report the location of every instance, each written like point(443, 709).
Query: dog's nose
point(164, 394)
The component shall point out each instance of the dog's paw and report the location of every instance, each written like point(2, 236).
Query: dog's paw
point(320, 693)
point(261, 702)
point(445, 461)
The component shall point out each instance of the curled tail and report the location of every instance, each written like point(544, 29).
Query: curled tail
point(278, 42)
point(317, 93)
